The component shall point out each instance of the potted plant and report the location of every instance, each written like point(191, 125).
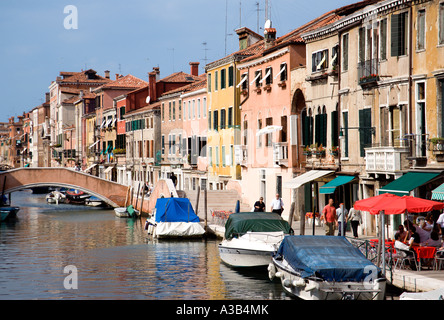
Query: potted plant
point(307, 151)
point(320, 151)
point(334, 151)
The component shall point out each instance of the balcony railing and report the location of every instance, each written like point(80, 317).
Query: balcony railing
point(386, 160)
point(368, 72)
point(280, 154)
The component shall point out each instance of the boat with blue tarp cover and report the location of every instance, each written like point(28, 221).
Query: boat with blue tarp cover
point(174, 217)
point(326, 268)
point(251, 238)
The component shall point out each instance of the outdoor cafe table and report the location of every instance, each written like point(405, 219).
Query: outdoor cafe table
point(424, 253)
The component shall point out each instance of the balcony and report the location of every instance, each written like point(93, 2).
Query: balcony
point(280, 154)
point(386, 160)
point(368, 73)
point(241, 155)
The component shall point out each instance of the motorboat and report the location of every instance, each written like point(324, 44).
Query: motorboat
point(126, 212)
point(74, 196)
point(251, 238)
point(174, 218)
point(94, 202)
point(326, 268)
point(55, 197)
point(8, 213)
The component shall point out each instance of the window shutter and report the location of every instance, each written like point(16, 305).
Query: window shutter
point(365, 136)
point(324, 129)
point(334, 128)
point(306, 130)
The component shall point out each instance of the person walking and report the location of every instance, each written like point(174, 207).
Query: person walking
point(330, 218)
point(259, 206)
point(355, 218)
point(341, 226)
point(277, 205)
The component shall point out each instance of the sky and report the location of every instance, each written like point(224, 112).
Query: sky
point(41, 38)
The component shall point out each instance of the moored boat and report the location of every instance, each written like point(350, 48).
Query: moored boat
point(74, 196)
point(55, 197)
point(94, 202)
point(251, 238)
point(174, 218)
point(126, 212)
point(8, 213)
point(326, 268)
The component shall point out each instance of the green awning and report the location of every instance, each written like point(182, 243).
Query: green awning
point(438, 193)
point(331, 186)
point(411, 180)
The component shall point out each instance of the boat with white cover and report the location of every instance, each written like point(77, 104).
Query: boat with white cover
point(251, 238)
point(174, 217)
point(55, 197)
point(326, 268)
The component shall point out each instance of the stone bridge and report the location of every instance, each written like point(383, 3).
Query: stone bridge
point(114, 194)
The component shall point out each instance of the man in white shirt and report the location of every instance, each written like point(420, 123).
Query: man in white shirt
point(440, 222)
point(342, 228)
point(277, 205)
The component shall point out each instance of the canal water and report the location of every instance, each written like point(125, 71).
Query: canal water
point(114, 259)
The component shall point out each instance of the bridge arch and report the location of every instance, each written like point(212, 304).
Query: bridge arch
point(111, 192)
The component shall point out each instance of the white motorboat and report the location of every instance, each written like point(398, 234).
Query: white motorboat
point(94, 202)
point(126, 212)
point(326, 268)
point(174, 218)
point(55, 197)
point(251, 238)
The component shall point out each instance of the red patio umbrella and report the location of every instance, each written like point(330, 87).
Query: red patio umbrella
point(399, 205)
point(376, 203)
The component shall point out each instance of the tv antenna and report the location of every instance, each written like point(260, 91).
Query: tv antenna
point(205, 49)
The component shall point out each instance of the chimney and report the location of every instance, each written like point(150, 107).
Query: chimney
point(107, 74)
point(117, 76)
point(194, 68)
point(152, 85)
point(157, 70)
point(47, 96)
point(247, 37)
point(270, 37)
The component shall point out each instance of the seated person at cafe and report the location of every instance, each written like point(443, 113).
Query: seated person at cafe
point(414, 238)
point(401, 231)
point(433, 241)
point(407, 249)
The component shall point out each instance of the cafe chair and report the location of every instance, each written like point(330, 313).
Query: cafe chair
point(403, 256)
point(439, 258)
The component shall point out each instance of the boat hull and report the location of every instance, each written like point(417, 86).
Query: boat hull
point(121, 212)
point(8, 213)
point(241, 258)
point(316, 289)
point(165, 230)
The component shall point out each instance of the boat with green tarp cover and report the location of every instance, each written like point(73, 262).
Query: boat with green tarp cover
point(251, 238)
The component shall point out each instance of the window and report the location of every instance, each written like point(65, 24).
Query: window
point(230, 76)
point(222, 118)
point(334, 56)
point(163, 144)
point(223, 156)
point(421, 125)
point(216, 80)
point(163, 112)
point(210, 155)
point(383, 39)
point(345, 52)
point(269, 136)
point(399, 34)
point(268, 78)
point(189, 109)
point(282, 72)
point(319, 60)
point(257, 78)
point(230, 117)
point(361, 45)
point(365, 132)
point(180, 109)
point(209, 120)
point(174, 110)
point(259, 138)
point(223, 80)
point(245, 133)
point(215, 119)
point(169, 112)
point(217, 156)
point(194, 109)
point(204, 107)
point(244, 82)
point(198, 108)
point(321, 129)
point(122, 112)
point(209, 82)
point(420, 30)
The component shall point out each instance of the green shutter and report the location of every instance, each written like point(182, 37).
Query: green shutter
point(334, 128)
point(317, 129)
point(306, 130)
point(324, 129)
point(345, 118)
point(365, 135)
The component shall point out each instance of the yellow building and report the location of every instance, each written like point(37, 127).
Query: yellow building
point(223, 79)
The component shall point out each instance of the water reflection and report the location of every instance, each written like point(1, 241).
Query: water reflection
point(114, 257)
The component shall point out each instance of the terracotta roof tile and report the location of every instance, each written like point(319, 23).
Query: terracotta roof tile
point(129, 82)
point(87, 76)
